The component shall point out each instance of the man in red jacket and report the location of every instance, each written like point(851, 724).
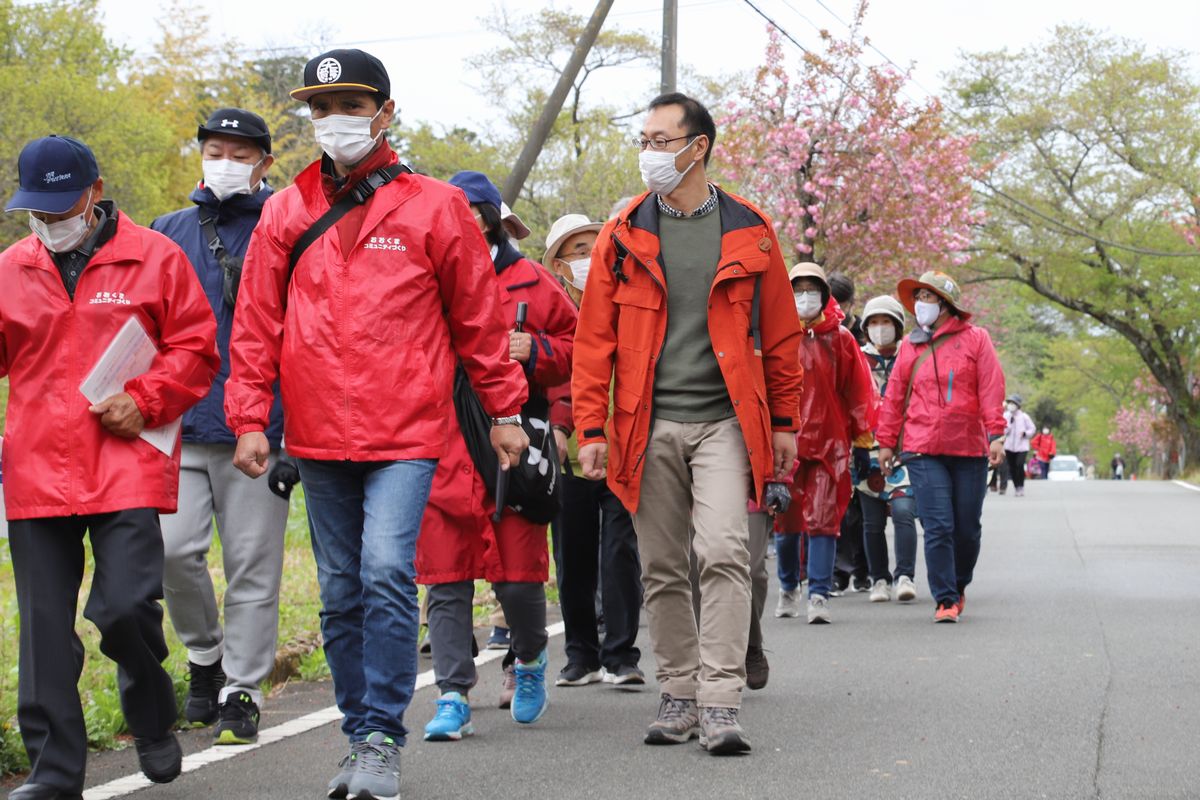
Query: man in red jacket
point(72, 467)
point(363, 336)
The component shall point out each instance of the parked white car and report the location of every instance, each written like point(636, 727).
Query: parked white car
point(1066, 468)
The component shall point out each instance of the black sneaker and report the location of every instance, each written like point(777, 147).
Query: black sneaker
point(204, 689)
point(238, 720)
point(577, 675)
point(161, 759)
point(757, 668)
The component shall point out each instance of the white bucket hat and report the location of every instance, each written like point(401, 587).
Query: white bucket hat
point(512, 223)
point(562, 229)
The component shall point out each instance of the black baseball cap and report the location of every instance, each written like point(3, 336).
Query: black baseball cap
point(344, 71)
point(53, 173)
point(237, 122)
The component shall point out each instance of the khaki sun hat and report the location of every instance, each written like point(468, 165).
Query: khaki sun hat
point(887, 306)
point(562, 229)
point(808, 269)
point(937, 282)
point(512, 223)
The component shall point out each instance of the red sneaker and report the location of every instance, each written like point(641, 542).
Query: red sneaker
point(962, 602)
point(946, 612)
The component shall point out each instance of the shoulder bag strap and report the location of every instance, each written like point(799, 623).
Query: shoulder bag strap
point(912, 375)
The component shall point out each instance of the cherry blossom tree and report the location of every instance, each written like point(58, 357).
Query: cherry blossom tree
point(857, 177)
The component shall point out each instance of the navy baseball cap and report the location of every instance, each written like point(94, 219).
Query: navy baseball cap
point(344, 71)
point(477, 187)
point(237, 122)
point(54, 172)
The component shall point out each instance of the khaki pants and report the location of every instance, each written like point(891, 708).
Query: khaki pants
point(697, 473)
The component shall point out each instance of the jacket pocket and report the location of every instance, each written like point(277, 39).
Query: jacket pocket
point(637, 314)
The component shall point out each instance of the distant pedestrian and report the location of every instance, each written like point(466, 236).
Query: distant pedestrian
point(838, 409)
point(74, 468)
point(880, 497)
point(226, 664)
point(596, 536)
point(460, 541)
point(1046, 448)
point(943, 418)
point(1018, 430)
point(1118, 467)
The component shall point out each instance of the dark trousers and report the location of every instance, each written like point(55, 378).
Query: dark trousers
point(851, 557)
point(1016, 467)
point(598, 546)
point(47, 558)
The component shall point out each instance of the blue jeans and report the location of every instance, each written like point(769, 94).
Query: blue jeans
point(875, 513)
point(822, 552)
point(364, 518)
point(787, 560)
point(949, 492)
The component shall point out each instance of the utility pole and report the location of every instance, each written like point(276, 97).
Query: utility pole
point(545, 122)
point(670, 44)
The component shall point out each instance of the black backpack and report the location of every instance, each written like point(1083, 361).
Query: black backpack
point(533, 485)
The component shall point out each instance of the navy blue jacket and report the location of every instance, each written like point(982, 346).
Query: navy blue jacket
point(205, 422)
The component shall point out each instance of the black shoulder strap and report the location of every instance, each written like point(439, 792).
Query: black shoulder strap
point(208, 226)
point(360, 194)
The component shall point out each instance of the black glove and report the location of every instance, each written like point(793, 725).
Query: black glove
point(284, 475)
point(777, 497)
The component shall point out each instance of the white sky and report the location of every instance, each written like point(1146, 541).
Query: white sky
point(425, 44)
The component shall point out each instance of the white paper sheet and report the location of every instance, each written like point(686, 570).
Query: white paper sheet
point(129, 355)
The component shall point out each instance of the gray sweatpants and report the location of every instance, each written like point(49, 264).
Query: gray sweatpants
point(251, 522)
point(451, 627)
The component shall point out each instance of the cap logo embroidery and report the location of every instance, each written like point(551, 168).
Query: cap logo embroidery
point(329, 70)
point(229, 123)
point(52, 177)
point(949, 286)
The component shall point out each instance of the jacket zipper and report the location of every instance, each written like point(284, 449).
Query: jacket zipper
point(638, 463)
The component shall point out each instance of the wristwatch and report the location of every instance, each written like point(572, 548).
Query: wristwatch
point(515, 419)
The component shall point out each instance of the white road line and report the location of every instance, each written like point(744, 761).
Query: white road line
point(1186, 485)
point(136, 782)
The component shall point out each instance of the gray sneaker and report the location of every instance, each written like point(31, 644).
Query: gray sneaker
point(377, 772)
point(677, 722)
point(340, 785)
point(790, 603)
point(720, 733)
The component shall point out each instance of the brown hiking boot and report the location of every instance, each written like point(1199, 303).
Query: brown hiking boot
point(509, 687)
point(720, 733)
point(757, 668)
point(677, 722)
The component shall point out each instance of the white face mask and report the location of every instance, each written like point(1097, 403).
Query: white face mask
point(882, 335)
point(344, 138)
point(808, 304)
point(658, 169)
point(65, 235)
point(579, 272)
point(1046, 431)
point(927, 313)
point(1012, 408)
point(225, 178)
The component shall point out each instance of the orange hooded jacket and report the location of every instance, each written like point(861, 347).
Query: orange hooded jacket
point(623, 324)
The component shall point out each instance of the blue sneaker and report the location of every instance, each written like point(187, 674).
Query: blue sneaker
point(452, 721)
point(530, 700)
point(499, 640)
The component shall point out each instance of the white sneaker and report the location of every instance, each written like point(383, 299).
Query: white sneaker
point(906, 590)
point(789, 603)
point(818, 610)
point(879, 592)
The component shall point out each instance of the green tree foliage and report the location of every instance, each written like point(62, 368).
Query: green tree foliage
point(1098, 152)
point(59, 73)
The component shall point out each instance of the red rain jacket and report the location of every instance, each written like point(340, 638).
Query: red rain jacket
point(1045, 446)
point(839, 403)
point(957, 396)
point(458, 540)
point(58, 459)
point(365, 346)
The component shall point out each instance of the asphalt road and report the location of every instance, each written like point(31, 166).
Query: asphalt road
point(1074, 674)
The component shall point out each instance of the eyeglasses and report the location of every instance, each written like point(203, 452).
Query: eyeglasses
point(926, 296)
point(659, 143)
